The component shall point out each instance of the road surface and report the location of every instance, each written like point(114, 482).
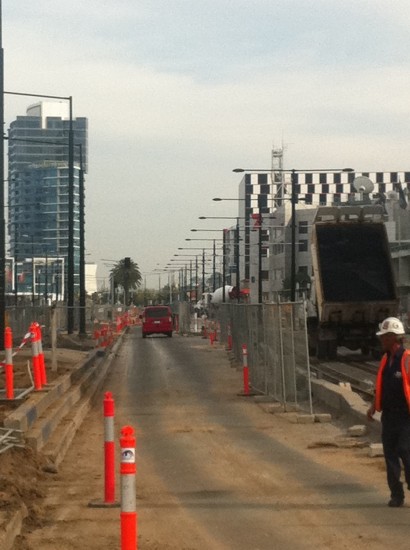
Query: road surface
point(215, 471)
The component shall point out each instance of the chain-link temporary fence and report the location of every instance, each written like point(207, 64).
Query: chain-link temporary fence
point(20, 318)
point(276, 340)
point(184, 318)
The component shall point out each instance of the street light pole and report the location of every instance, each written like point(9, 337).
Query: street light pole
point(223, 266)
point(293, 239)
point(213, 268)
point(203, 271)
point(82, 325)
point(260, 259)
point(238, 284)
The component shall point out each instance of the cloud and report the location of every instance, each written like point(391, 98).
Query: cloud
point(179, 93)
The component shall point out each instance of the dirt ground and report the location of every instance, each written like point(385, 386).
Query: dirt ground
point(26, 478)
point(22, 470)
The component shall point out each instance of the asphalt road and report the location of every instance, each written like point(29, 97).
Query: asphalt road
point(214, 470)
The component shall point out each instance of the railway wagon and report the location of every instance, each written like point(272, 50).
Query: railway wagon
point(353, 286)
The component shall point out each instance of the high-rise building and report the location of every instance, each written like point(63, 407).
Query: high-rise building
point(38, 182)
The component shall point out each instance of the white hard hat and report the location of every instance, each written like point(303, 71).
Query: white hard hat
point(391, 324)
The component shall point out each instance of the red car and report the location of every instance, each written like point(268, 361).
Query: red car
point(157, 320)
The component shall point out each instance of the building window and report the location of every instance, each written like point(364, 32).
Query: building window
point(303, 227)
point(303, 246)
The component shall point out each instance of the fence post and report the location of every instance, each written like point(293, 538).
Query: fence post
point(128, 490)
point(53, 328)
point(229, 346)
point(8, 367)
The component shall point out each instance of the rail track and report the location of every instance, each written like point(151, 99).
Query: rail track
point(360, 374)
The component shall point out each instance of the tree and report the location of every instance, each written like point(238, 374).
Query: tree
point(126, 273)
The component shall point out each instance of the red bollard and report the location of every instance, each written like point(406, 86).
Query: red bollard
point(109, 449)
point(35, 357)
point(41, 356)
point(245, 370)
point(128, 490)
point(8, 367)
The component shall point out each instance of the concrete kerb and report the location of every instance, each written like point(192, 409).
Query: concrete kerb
point(344, 402)
point(47, 423)
point(341, 401)
point(58, 444)
point(29, 411)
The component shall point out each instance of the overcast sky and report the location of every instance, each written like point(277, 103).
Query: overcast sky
point(178, 93)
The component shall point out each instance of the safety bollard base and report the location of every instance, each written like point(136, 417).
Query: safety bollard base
point(98, 503)
point(248, 394)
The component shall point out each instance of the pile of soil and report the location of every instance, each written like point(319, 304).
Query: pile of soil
point(21, 471)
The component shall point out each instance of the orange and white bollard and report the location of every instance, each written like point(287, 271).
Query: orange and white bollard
point(41, 356)
point(109, 449)
point(8, 366)
point(128, 490)
point(35, 357)
point(245, 369)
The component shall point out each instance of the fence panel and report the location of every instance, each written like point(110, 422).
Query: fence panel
point(278, 357)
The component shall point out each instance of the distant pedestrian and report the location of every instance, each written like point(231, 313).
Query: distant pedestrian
point(392, 397)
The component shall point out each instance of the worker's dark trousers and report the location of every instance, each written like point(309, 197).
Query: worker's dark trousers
point(396, 446)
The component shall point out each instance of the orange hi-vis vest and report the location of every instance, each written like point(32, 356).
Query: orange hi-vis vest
point(405, 372)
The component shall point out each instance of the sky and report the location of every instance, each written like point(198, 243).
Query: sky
point(178, 93)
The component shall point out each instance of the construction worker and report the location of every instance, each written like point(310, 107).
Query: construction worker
point(392, 397)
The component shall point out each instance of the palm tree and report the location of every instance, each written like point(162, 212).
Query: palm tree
point(126, 273)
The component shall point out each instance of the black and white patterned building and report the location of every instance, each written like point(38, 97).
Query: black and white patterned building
point(267, 196)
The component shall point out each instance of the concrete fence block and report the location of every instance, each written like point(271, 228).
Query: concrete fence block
point(305, 418)
point(357, 431)
point(323, 418)
point(376, 449)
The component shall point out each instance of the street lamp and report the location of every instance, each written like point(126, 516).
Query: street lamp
point(293, 199)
